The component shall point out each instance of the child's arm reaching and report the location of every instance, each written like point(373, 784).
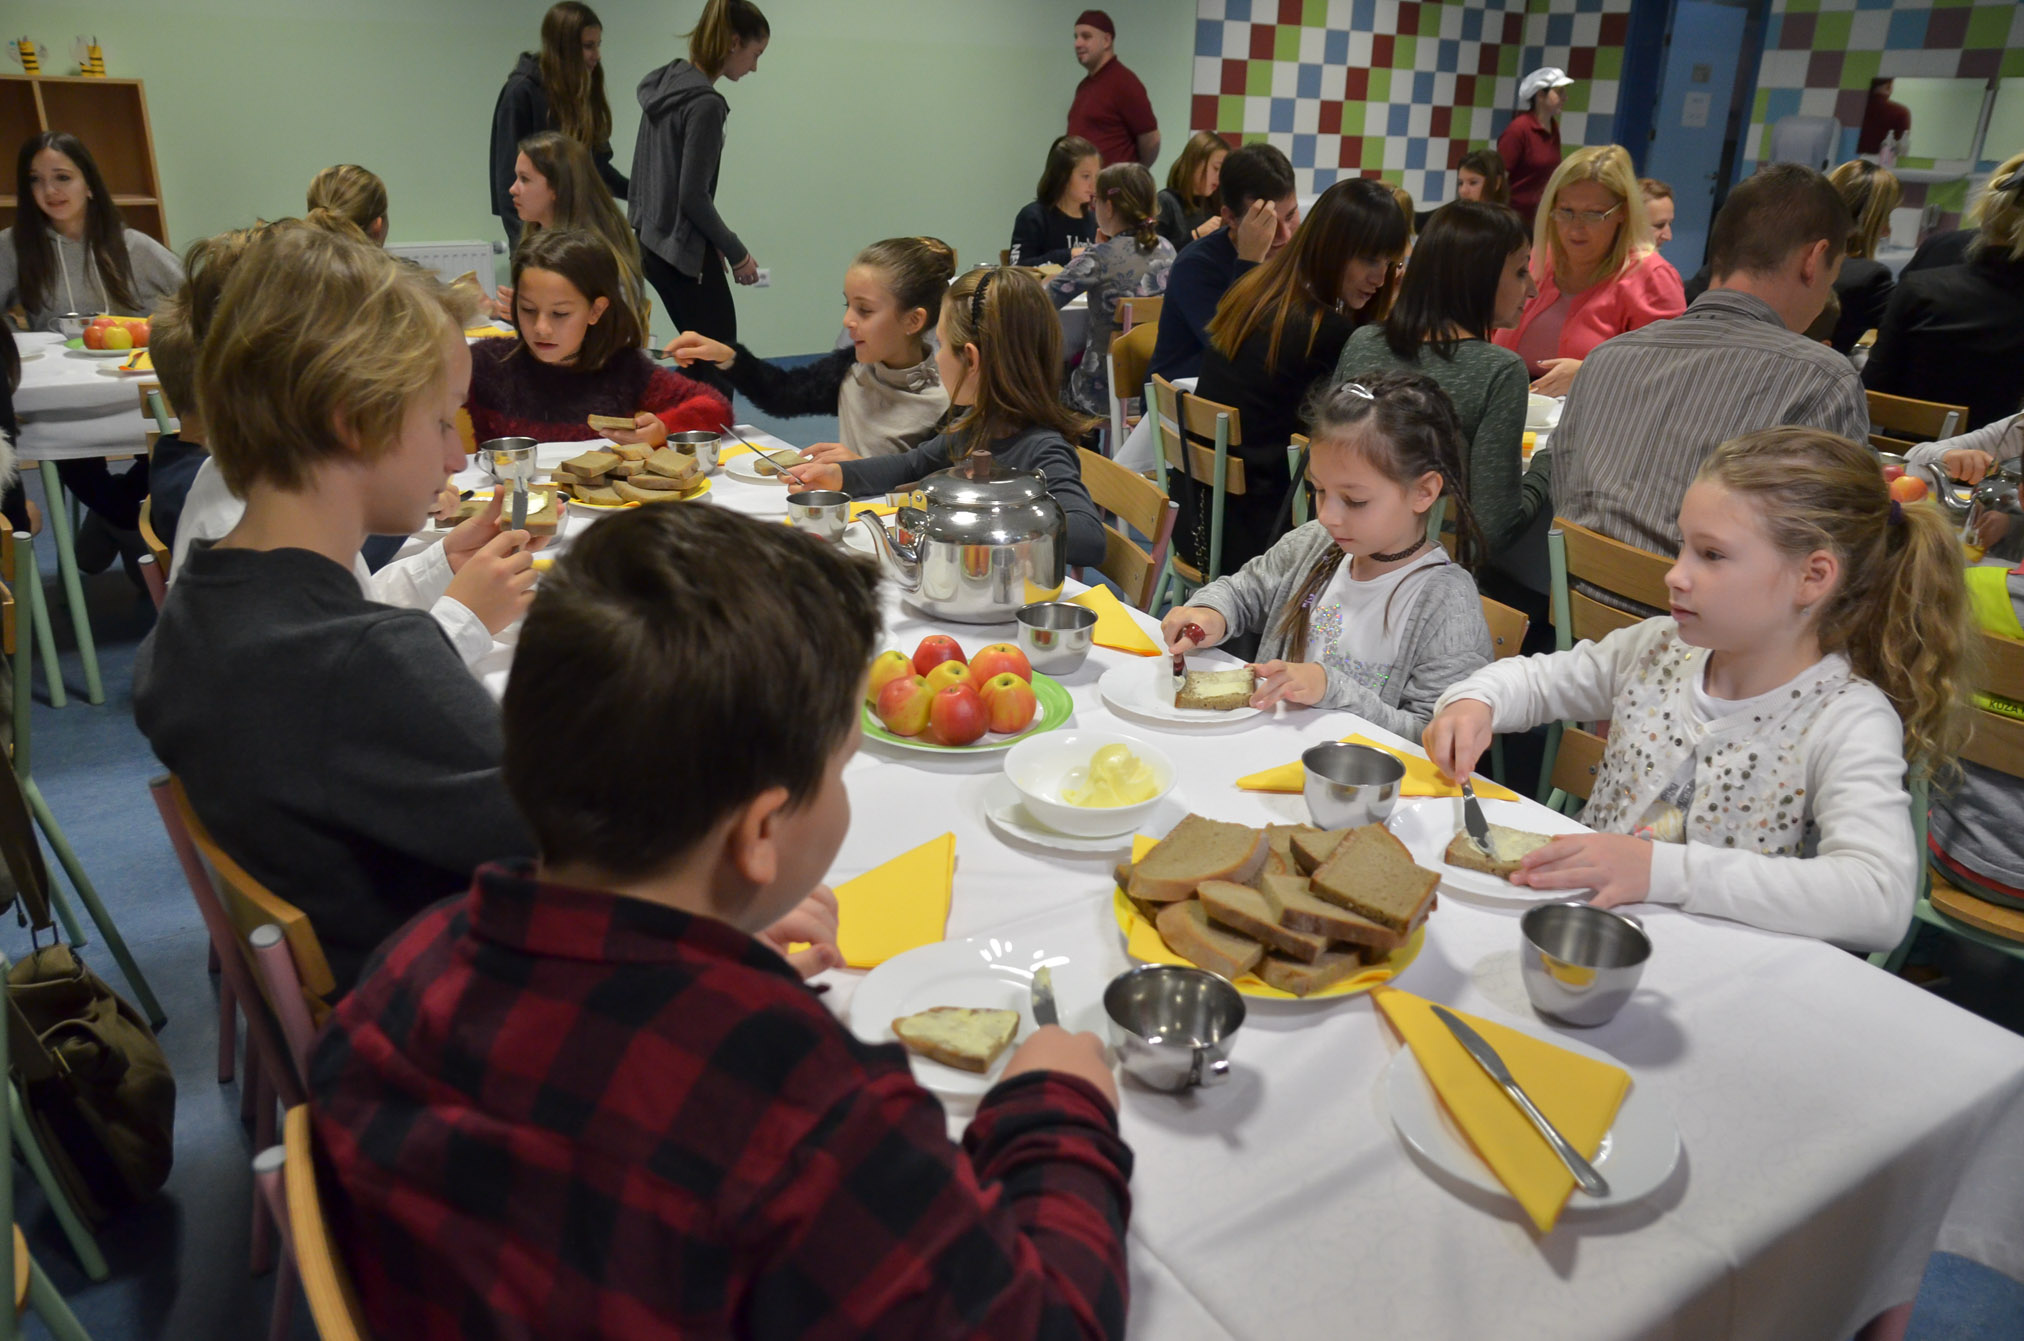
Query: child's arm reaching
point(1521, 692)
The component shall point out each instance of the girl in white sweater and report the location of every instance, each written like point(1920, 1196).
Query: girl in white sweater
point(1759, 735)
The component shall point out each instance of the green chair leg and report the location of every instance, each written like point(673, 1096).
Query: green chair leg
point(73, 586)
point(35, 628)
point(49, 1306)
point(66, 916)
point(144, 996)
point(81, 1241)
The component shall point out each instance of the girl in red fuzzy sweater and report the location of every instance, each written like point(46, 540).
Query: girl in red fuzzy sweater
point(578, 354)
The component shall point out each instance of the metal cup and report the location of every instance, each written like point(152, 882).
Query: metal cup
point(823, 513)
point(1349, 786)
point(701, 443)
point(1177, 1024)
point(71, 325)
point(508, 460)
point(1055, 635)
point(1580, 963)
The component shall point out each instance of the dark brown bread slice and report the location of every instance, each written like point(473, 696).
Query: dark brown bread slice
point(1196, 850)
point(1373, 873)
point(1301, 910)
point(1290, 975)
point(1313, 847)
point(1244, 909)
point(646, 479)
point(633, 493)
point(1186, 929)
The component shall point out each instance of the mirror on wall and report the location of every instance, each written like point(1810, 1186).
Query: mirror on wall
point(1945, 114)
point(2005, 135)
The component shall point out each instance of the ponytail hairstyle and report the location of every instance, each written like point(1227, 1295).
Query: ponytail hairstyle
point(1404, 425)
point(104, 231)
point(1998, 214)
point(1128, 189)
point(1871, 193)
point(583, 202)
point(1004, 312)
point(350, 192)
point(1489, 165)
point(582, 258)
point(916, 270)
point(725, 24)
point(1201, 147)
point(575, 89)
point(1062, 156)
point(1900, 613)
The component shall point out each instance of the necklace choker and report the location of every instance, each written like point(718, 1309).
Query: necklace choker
point(1405, 553)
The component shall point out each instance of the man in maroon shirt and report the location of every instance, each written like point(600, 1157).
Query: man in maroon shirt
point(1530, 145)
point(592, 1098)
point(1111, 109)
point(1881, 117)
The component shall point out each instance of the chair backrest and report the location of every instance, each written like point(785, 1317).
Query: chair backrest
point(158, 570)
point(1578, 553)
point(1188, 428)
point(1507, 628)
point(333, 1301)
point(1133, 313)
point(1145, 508)
point(1129, 356)
point(1997, 741)
point(1903, 417)
point(155, 405)
point(1575, 766)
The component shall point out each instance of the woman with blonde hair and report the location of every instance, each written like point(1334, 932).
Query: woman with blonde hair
point(1864, 285)
point(1129, 260)
point(1191, 205)
point(561, 89)
point(1596, 278)
point(354, 194)
point(1956, 335)
point(555, 185)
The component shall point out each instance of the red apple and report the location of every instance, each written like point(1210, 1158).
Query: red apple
point(999, 658)
point(957, 715)
point(1010, 702)
point(948, 673)
point(904, 705)
point(140, 334)
point(102, 323)
point(934, 650)
point(93, 337)
point(885, 668)
point(1893, 472)
point(1907, 488)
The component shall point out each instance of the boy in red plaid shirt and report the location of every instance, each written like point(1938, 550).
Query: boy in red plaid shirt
point(590, 1099)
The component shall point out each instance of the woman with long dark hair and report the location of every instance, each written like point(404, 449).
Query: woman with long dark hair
point(561, 89)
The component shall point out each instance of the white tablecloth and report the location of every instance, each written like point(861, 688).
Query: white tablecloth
point(71, 410)
point(1839, 1125)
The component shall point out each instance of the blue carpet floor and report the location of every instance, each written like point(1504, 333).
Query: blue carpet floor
point(179, 1264)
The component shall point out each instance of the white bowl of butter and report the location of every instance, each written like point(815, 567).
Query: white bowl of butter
point(1091, 784)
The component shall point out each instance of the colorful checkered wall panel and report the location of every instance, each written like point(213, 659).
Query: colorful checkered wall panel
point(1400, 89)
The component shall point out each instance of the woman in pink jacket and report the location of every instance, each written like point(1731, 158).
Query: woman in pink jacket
point(1595, 279)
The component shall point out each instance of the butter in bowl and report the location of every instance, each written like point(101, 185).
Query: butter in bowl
point(1090, 784)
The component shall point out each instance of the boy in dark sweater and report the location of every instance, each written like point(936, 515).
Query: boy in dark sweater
point(1260, 213)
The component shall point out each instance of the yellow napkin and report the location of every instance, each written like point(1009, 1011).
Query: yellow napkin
point(485, 332)
point(1422, 778)
point(730, 449)
point(139, 361)
point(1115, 628)
point(895, 907)
point(1580, 1096)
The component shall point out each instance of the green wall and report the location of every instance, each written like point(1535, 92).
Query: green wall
point(866, 118)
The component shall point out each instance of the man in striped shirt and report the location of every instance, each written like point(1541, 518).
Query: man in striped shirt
point(1649, 406)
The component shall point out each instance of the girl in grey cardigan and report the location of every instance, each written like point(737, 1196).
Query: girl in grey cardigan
point(1357, 609)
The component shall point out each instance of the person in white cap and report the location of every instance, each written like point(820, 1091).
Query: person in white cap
point(1530, 145)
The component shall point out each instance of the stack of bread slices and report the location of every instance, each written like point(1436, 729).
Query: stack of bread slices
point(1302, 908)
point(628, 473)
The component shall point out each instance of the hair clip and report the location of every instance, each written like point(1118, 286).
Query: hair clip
point(2011, 181)
point(1358, 390)
point(977, 304)
point(1897, 513)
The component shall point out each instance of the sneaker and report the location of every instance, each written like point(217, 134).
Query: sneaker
point(96, 546)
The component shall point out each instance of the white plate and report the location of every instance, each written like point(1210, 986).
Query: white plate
point(1638, 1152)
point(1542, 413)
point(30, 355)
point(1143, 687)
point(1008, 815)
point(745, 466)
point(1427, 824)
point(985, 973)
point(115, 370)
point(100, 353)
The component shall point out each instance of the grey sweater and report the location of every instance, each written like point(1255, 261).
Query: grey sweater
point(157, 274)
point(1445, 637)
point(673, 203)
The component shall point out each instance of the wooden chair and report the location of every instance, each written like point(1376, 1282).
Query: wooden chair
point(1575, 766)
point(286, 1176)
point(1507, 639)
point(1129, 355)
point(155, 405)
point(1576, 553)
point(1193, 437)
point(155, 563)
point(1296, 449)
point(1905, 419)
point(1141, 506)
point(1135, 312)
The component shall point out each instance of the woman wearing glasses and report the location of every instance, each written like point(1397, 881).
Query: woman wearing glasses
point(1595, 278)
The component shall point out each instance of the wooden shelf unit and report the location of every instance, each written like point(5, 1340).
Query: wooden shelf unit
point(110, 116)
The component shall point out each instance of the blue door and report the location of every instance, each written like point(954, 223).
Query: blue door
point(1696, 88)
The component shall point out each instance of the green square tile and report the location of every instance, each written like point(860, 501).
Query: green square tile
point(1951, 197)
point(1373, 150)
point(1803, 7)
point(1230, 113)
point(1486, 91)
point(1314, 13)
point(1380, 86)
point(1405, 53)
point(1577, 95)
point(1254, 137)
point(1608, 63)
point(1286, 43)
point(1763, 107)
point(1830, 31)
point(1258, 79)
point(1989, 26)
point(1352, 120)
point(1859, 67)
point(2013, 64)
point(1507, 60)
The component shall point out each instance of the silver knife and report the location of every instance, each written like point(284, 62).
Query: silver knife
point(1043, 996)
point(1486, 1056)
point(519, 504)
point(1472, 818)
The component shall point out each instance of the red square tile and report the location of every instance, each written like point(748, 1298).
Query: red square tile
point(1330, 122)
point(1465, 90)
point(1263, 36)
point(1823, 69)
point(1356, 86)
point(1457, 151)
point(1581, 62)
point(1849, 105)
point(1980, 63)
point(1946, 29)
point(1409, 19)
point(1486, 61)
point(1441, 121)
point(1615, 29)
point(1514, 30)
point(1381, 51)
point(1350, 152)
point(1234, 76)
point(1290, 11)
point(1796, 32)
point(1202, 112)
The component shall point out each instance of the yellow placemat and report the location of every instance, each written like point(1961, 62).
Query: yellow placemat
point(1422, 778)
point(486, 332)
point(1115, 628)
point(893, 908)
point(138, 361)
point(1579, 1095)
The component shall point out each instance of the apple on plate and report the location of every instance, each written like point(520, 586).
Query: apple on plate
point(948, 673)
point(140, 333)
point(997, 659)
point(957, 715)
point(1010, 701)
point(934, 650)
point(1907, 488)
point(1893, 472)
point(117, 337)
point(94, 336)
point(904, 706)
point(885, 668)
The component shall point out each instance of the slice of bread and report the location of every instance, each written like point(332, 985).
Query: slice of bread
point(958, 1035)
point(1507, 848)
point(673, 464)
point(1197, 849)
point(1217, 691)
point(772, 459)
point(1312, 847)
point(1373, 874)
point(631, 451)
point(598, 496)
point(1301, 910)
point(1189, 933)
point(1279, 846)
point(634, 493)
point(1303, 979)
point(646, 479)
point(1250, 912)
point(591, 463)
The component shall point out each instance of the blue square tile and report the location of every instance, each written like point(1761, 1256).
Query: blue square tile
point(1448, 55)
point(1363, 16)
point(1239, 10)
point(1325, 178)
point(1907, 30)
point(1335, 47)
point(1472, 25)
point(1774, 27)
point(1416, 153)
point(1282, 116)
point(1307, 81)
point(1303, 151)
point(1397, 120)
point(1588, 6)
point(1873, 4)
point(1559, 30)
point(1209, 38)
point(1423, 86)
point(1782, 102)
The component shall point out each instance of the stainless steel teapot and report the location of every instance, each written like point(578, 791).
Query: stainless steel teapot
point(984, 542)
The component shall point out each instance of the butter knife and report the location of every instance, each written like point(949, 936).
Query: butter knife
point(1043, 996)
point(1585, 1176)
point(520, 504)
point(1472, 818)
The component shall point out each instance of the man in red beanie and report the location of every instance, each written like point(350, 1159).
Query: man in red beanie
point(1111, 109)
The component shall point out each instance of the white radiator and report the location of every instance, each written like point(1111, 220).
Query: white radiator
point(451, 259)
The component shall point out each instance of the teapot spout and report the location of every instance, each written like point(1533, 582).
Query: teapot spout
point(898, 559)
